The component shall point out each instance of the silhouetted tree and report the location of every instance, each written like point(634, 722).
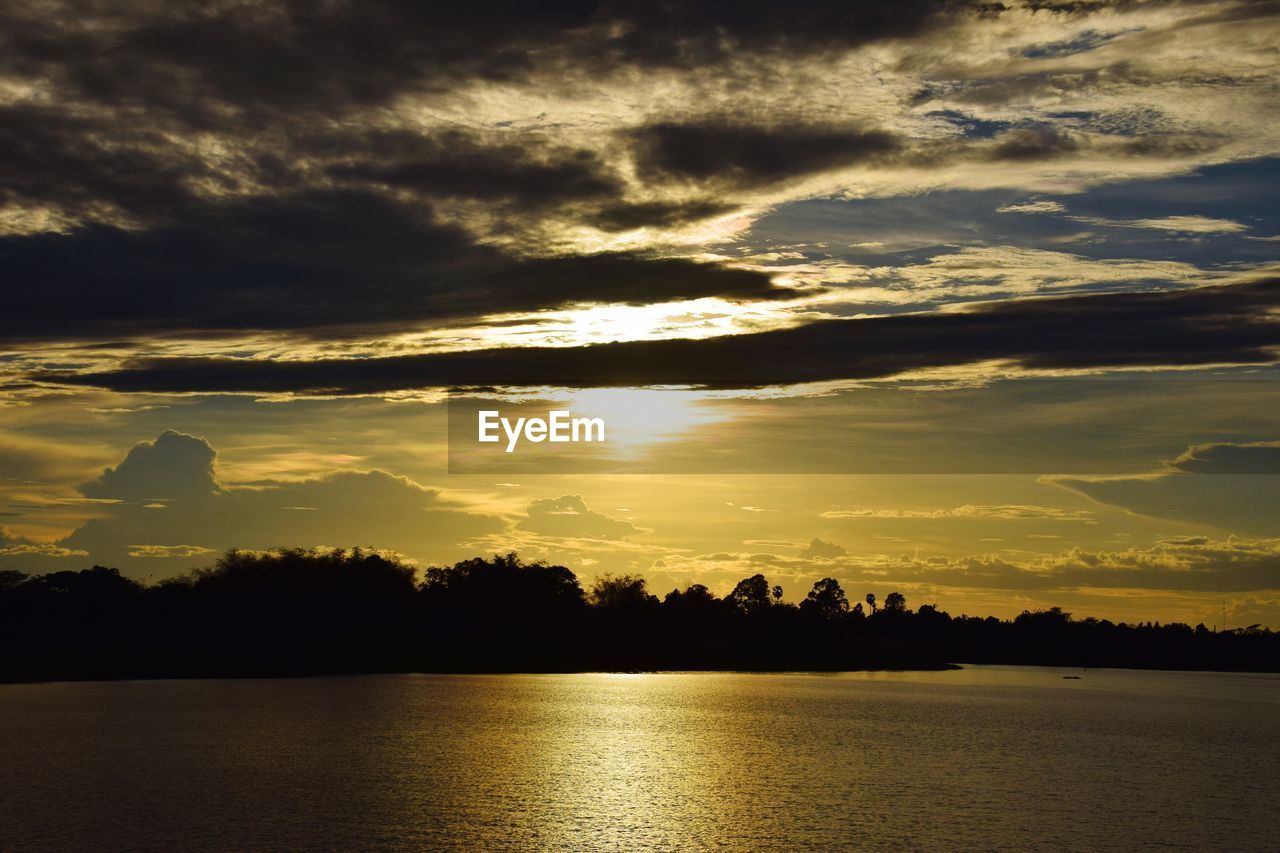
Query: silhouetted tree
point(299, 611)
point(621, 593)
point(1054, 617)
point(696, 598)
point(826, 600)
point(751, 595)
point(871, 601)
point(694, 592)
point(10, 578)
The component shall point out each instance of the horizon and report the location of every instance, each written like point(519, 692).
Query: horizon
point(421, 577)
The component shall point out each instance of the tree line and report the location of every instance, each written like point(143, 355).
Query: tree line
point(298, 611)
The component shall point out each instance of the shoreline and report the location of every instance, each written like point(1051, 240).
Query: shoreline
point(710, 670)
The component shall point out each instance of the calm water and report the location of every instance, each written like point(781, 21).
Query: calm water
point(987, 757)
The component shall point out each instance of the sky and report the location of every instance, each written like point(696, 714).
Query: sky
point(975, 301)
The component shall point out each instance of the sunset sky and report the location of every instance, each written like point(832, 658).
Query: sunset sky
point(975, 301)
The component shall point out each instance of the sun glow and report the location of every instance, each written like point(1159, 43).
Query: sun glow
point(597, 324)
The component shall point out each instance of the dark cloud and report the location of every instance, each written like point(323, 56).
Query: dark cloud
point(269, 56)
point(77, 162)
point(98, 167)
point(688, 34)
point(194, 62)
point(337, 262)
point(1032, 143)
point(247, 167)
point(625, 216)
point(1207, 325)
point(746, 155)
point(459, 165)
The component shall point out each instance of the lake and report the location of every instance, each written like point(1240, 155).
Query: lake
point(979, 758)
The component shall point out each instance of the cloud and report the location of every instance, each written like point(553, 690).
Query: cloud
point(1243, 612)
point(1256, 457)
point(275, 56)
point(527, 171)
point(344, 508)
point(1003, 512)
point(819, 550)
point(1033, 207)
point(1228, 324)
point(1177, 224)
point(986, 272)
point(746, 155)
point(361, 168)
point(25, 549)
point(1226, 485)
point(347, 55)
point(28, 460)
point(625, 216)
point(568, 516)
point(173, 467)
point(1082, 43)
point(684, 35)
point(172, 507)
point(74, 164)
point(1174, 224)
point(329, 263)
point(1199, 565)
point(275, 98)
point(1186, 224)
point(1032, 143)
point(166, 551)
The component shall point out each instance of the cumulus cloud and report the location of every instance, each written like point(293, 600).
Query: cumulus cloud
point(170, 506)
point(568, 516)
point(820, 550)
point(173, 467)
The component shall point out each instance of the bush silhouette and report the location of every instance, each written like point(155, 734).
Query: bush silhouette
point(298, 611)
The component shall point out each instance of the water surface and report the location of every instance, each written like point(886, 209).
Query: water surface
point(985, 757)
